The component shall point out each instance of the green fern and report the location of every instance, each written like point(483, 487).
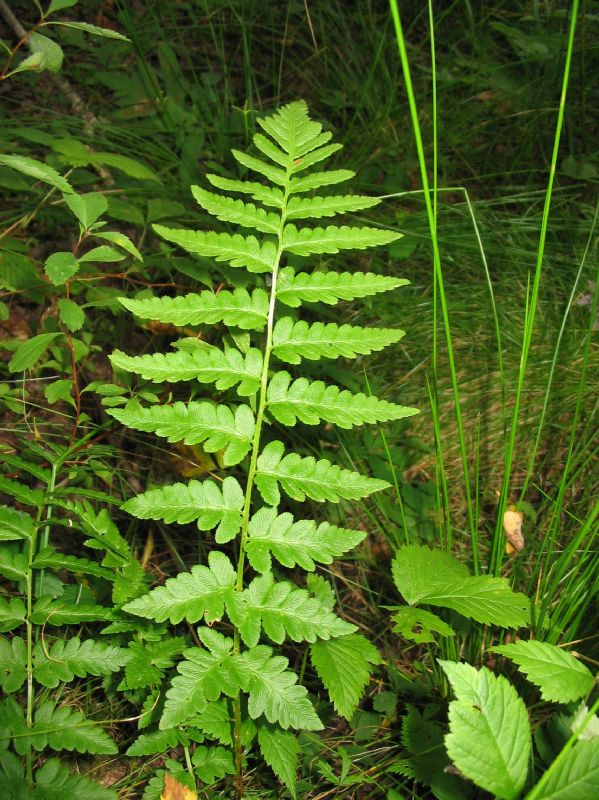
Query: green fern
point(247, 505)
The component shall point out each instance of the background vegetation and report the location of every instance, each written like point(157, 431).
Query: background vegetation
point(176, 97)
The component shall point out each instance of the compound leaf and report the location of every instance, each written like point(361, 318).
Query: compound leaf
point(313, 401)
point(331, 287)
point(13, 664)
point(193, 595)
point(344, 666)
point(216, 426)
point(206, 365)
point(559, 675)
point(268, 195)
point(212, 763)
point(53, 781)
point(489, 733)
point(238, 308)
point(329, 206)
point(205, 501)
point(306, 477)
point(302, 542)
point(14, 524)
point(238, 250)
point(64, 728)
point(236, 211)
point(294, 340)
point(333, 238)
point(73, 657)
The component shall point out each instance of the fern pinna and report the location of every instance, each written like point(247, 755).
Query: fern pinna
point(265, 696)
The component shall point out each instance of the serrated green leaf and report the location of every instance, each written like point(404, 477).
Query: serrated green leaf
point(228, 209)
point(239, 251)
point(294, 340)
point(344, 666)
point(273, 690)
point(148, 661)
point(53, 781)
point(13, 565)
point(36, 169)
point(559, 675)
point(193, 595)
point(73, 657)
point(237, 308)
point(302, 542)
point(156, 742)
point(332, 239)
point(283, 611)
point(269, 195)
point(328, 206)
point(50, 558)
point(317, 179)
point(280, 750)
point(313, 401)
point(58, 5)
point(215, 721)
point(51, 52)
point(489, 734)
point(436, 578)
point(212, 763)
point(209, 365)
point(71, 314)
point(293, 130)
point(28, 353)
point(59, 612)
point(121, 241)
point(13, 664)
point(576, 776)
point(207, 502)
point(12, 613)
point(87, 207)
point(331, 287)
point(59, 390)
point(306, 477)
point(86, 27)
point(14, 525)
point(60, 267)
point(64, 728)
point(273, 174)
point(418, 625)
point(216, 426)
point(102, 253)
point(21, 493)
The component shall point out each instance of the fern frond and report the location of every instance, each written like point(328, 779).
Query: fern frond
point(302, 542)
point(48, 557)
point(273, 690)
point(73, 657)
point(329, 206)
point(206, 365)
point(228, 209)
point(330, 287)
point(318, 179)
point(238, 250)
point(301, 477)
point(311, 402)
point(268, 195)
point(273, 174)
point(282, 610)
point(64, 728)
point(270, 150)
point(205, 501)
point(332, 239)
point(157, 742)
point(293, 340)
point(193, 595)
point(237, 308)
point(217, 426)
point(14, 524)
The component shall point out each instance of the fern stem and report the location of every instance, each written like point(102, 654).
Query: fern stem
point(239, 790)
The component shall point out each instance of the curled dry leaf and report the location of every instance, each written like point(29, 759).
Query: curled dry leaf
point(173, 790)
point(512, 525)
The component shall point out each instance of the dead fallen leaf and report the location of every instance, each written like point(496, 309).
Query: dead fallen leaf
point(512, 526)
point(173, 790)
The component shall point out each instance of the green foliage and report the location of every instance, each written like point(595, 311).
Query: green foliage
point(266, 606)
point(489, 734)
point(559, 675)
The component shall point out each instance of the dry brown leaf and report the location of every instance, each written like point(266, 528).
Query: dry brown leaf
point(173, 790)
point(191, 461)
point(512, 526)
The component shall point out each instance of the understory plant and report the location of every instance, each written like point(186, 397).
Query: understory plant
point(235, 684)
